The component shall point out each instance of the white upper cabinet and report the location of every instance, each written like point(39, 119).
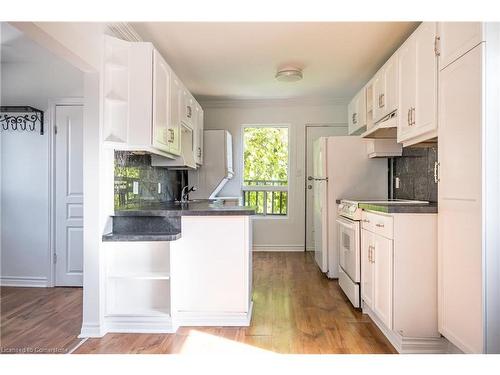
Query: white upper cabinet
point(176, 100)
point(161, 103)
point(456, 38)
point(357, 113)
point(144, 102)
point(417, 119)
point(187, 109)
point(198, 134)
point(385, 89)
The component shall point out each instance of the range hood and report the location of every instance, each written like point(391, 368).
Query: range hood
point(217, 168)
point(386, 128)
point(186, 158)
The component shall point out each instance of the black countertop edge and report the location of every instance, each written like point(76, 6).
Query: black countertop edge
point(176, 213)
point(145, 237)
point(430, 208)
point(198, 208)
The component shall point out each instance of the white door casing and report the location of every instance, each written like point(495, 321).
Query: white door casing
point(68, 200)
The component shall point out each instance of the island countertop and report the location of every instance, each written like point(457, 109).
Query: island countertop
point(192, 208)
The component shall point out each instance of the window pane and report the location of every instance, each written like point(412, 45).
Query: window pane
point(265, 156)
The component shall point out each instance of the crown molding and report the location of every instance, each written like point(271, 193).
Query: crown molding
point(123, 30)
point(275, 102)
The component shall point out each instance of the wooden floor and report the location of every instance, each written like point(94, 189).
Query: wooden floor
point(40, 320)
point(296, 310)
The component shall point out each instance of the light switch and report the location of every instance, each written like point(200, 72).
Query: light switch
point(396, 182)
point(159, 187)
point(135, 187)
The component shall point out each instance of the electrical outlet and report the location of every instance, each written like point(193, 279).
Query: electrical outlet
point(396, 182)
point(135, 187)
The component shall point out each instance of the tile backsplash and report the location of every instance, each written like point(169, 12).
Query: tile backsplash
point(135, 168)
point(415, 170)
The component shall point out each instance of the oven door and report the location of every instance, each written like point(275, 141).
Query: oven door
point(349, 248)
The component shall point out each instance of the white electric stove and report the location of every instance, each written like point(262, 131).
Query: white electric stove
point(349, 243)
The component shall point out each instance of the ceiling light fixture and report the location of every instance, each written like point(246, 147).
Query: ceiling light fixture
point(289, 74)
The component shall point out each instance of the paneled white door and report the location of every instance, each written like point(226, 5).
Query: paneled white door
point(69, 195)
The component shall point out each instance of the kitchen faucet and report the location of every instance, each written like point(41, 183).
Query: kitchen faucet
point(185, 194)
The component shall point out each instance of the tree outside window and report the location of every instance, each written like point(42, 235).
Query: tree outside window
point(265, 169)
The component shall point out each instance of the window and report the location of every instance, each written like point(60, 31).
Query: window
point(265, 169)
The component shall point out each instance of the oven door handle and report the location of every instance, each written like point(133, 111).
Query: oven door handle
point(348, 224)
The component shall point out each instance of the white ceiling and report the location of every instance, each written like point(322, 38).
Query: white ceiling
point(17, 48)
point(239, 60)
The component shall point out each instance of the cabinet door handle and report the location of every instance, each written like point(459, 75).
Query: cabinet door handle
point(199, 152)
point(369, 253)
point(381, 100)
point(355, 118)
point(373, 254)
point(413, 116)
point(189, 111)
point(436, 172)
point(172, 136)
point(408, 117)
point(379, 225)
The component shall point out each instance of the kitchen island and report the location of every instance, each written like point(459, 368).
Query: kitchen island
point(171, 265)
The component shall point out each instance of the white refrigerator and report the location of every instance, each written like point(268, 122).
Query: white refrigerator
point(342, 170)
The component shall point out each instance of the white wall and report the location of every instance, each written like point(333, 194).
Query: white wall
point(274, 233)
point(25, 253)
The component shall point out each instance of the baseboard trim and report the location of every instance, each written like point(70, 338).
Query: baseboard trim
point(408, 345)
point(91, 330)
point(138, 324)
point(18, 281)
point(281, 248)
point(199, 319)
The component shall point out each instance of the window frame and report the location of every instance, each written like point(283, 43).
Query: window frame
point(264, 187)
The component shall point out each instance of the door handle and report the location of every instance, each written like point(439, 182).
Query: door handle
point(311, 178)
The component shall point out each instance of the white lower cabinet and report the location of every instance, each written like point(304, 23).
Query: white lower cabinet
point(399, 279)
point(377, 275)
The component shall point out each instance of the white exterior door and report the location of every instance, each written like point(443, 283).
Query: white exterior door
point(320, 191)
point(460, 202)
point(69, 195)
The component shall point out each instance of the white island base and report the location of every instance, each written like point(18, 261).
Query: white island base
point(202, 279)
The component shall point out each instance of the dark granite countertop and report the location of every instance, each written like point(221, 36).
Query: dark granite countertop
point(129, 237)
point(401, 208)
point(194, 208)
point(162, 221)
